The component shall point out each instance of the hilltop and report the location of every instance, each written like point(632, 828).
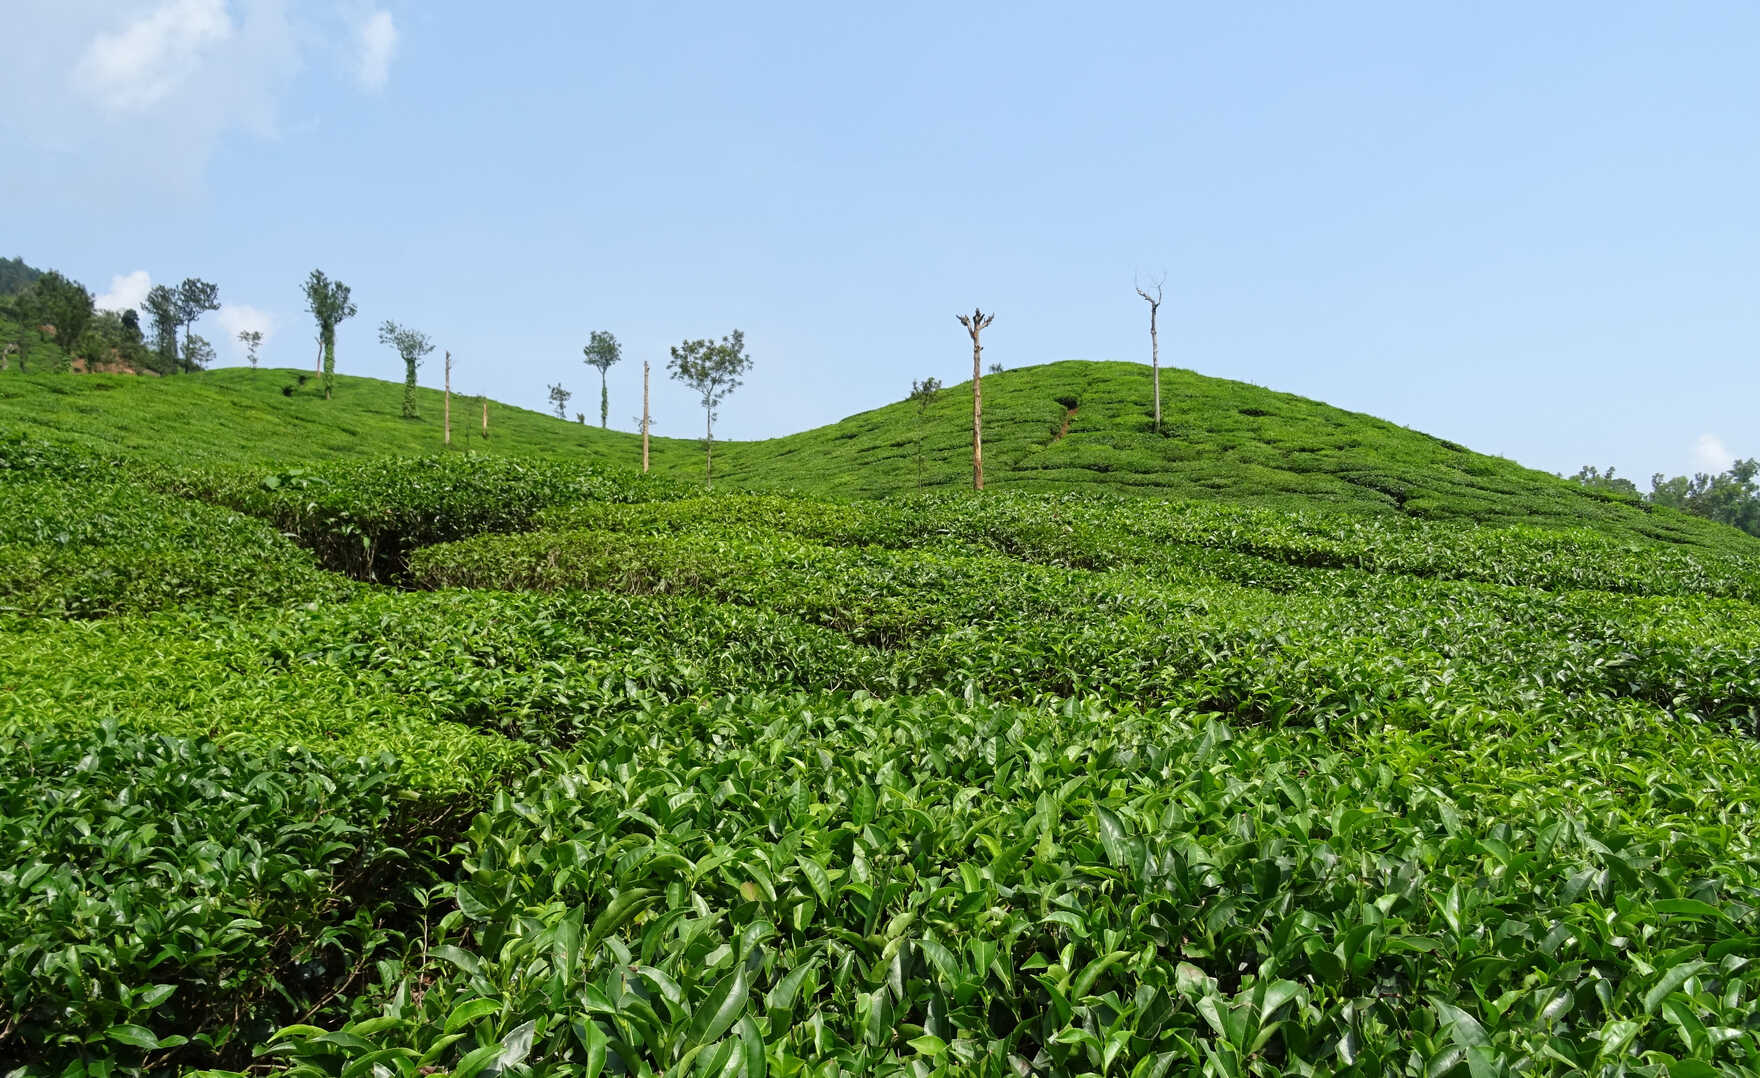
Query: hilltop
point(1069, 426)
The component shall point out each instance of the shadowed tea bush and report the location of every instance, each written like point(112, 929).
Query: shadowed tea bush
point(167, 902)
point(365, 518)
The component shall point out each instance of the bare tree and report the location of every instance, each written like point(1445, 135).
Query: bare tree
point(1154, 342)
point(976, 323)
point(645, 417)
point(446, 403)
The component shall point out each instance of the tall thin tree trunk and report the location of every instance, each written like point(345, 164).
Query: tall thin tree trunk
point(977, 416)
point(1155, 362)
point(485, 418)
point(1154, 303)
point(604, 402)
point(644, 416)
point(975, 324)
point(709, 448)
point(446, 402)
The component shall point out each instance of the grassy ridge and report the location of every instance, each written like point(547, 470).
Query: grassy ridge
point(1063, 426)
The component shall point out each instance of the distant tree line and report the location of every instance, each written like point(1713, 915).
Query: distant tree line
point(1731, 497)
point(51, 321)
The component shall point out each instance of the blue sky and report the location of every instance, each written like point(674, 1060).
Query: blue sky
point(1530, 228)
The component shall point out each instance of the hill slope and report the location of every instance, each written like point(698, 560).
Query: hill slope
point(1063, 426)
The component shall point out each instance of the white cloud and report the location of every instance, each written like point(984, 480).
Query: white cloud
point(138, 66)
point(1711, 455)
point(376, 45)
point(236, 318)
point(127, 292)
point(130, 98)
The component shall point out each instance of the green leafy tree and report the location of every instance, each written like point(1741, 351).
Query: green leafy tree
point(1591, 476)
point(714, 369)
point(58, 301)
point(112, 338)
point(195, 297)
point(329, 303)
point(602, 351)
point(558, 401)
point(161, 307)
point(923, 394)
point(411, 346)
point(252, 339)
point(1732, 497)
point(16, 277)
point(197, 352)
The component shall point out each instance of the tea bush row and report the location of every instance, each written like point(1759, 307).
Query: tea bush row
point(1099, 532)
point(363, 518)
point(1362, 641)
point(188, 676)
point(92, 549)
point(927, 887)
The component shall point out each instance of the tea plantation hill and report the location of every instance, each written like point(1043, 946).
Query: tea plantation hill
point(1059, 427)
point(326, 753)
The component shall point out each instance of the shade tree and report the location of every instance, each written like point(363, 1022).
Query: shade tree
point(602, 352)
point(714, 369)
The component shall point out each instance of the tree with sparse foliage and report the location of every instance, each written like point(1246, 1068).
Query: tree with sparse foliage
point(602, 351)
point(924, 394)
point(195, 297)
point(558, 401)
point(411, 346)
point(714, 369)
point(252, 339)
point(161, 307)
point(329, 303)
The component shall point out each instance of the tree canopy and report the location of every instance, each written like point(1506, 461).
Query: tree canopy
point(411, 346)
point(329, 303)
point(602, 351)
point(714, 369)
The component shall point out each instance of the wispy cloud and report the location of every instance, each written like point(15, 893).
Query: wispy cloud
point(144, 62)
point(127, 292)
point(129, 96)
point(376, 47)
point(1711, 455)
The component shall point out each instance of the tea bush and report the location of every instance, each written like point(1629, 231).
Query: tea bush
point(364, 518)
point(168, 902)
point(192, 677)
point(927, 887)
point(92, 549)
